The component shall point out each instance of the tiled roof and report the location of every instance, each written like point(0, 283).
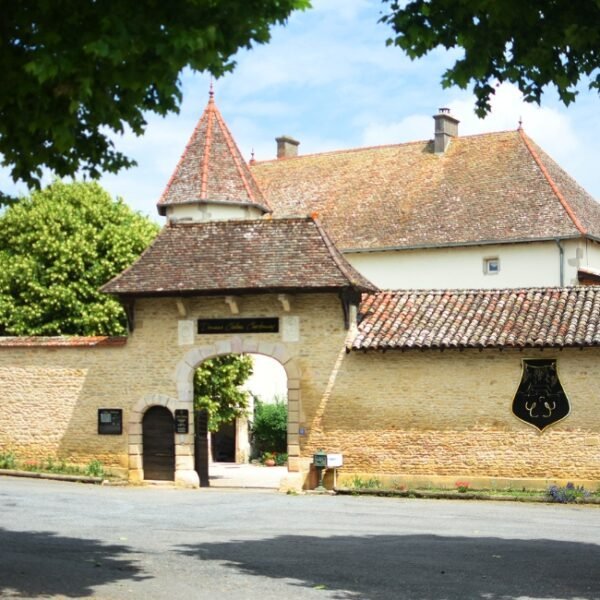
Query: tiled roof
point(484, 188)
point(62, 341)
point(510, 318)
point(211, 168)
point(239, 256)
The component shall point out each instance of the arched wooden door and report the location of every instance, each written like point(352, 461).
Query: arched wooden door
point(159, 444)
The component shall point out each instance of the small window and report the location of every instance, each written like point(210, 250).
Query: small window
point(491, 266)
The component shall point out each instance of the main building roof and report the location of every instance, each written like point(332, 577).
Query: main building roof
point(265, 255)
point(497, 187)
point(515, 318)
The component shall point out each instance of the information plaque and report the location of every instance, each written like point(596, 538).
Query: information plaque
point(258, 325)
point(110, 421)
point(182, 420)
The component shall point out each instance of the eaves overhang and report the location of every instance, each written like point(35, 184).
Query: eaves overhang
point(162, 208)
point(468, 244)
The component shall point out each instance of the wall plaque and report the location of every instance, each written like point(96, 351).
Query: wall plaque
point(258, 325)
point(110, 421)
point(185, 332)
point(290, 328)
point(182, 420)
point(540, 399)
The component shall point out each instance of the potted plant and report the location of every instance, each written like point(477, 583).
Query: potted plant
point(268, 459)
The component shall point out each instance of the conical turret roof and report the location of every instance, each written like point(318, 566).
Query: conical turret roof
point(211, 169)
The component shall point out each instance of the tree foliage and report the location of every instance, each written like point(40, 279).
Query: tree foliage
point(217, 384)
point(531, 44)
point(57, 248)
point(72, 71)
point(269, 427)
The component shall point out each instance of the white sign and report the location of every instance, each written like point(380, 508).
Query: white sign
point(334, 460)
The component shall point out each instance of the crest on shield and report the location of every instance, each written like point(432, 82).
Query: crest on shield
point(540, 399)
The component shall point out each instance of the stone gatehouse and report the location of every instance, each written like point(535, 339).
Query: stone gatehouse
point(494, 385)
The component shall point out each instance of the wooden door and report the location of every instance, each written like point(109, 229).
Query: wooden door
point(159, 444)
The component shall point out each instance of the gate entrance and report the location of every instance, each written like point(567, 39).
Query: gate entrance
point(145, 459)
point(158, 438)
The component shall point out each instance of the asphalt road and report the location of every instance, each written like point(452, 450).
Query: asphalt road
point(64, 540)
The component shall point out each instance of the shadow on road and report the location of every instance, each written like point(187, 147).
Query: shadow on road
point(34, 564)
point(418, 566)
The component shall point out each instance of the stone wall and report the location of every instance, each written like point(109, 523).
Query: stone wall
point(50, 401)
point(413, 414)
point(51, 396)
point(449, 414)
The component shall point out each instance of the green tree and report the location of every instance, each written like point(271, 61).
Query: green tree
point(57, 248)
point(217, 384)
point(73, 71)
point(269, 427)
point(532, 44)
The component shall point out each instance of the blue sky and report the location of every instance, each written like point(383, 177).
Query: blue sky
point(328, 79)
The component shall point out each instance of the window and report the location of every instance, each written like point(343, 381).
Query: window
point(491, 266)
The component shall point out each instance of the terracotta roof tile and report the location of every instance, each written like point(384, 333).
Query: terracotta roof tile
point(484, 188)
point(211, 168)
point(235, 256)
point(62, 341)
point(509, 318)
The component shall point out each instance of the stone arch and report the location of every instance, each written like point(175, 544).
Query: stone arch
point(184, 375)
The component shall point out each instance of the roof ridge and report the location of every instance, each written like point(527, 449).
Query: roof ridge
point(207, 144)
point(374, 147)
point(340, 262)
point(183, 155)
point(232, 149)
point(568, 208)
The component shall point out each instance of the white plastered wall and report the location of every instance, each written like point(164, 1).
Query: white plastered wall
point(591, 256)
point(199, 213)
point(535, 264)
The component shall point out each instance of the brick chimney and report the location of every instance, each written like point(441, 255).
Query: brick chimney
point(286, 147)
point(446, 127)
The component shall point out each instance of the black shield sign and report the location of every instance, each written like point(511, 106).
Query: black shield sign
point(540, 399)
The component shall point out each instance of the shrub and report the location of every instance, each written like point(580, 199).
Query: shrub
point(358, 483)
point(567, 494)
point(7, 460)
point(269, 428)
point(281, 459)
point(95, 469)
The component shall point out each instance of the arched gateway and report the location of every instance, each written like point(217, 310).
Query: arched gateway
point(184, 443)
point(223, 277)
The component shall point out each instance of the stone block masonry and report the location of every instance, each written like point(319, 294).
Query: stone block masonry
point(449, 414)
point(406, 414)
